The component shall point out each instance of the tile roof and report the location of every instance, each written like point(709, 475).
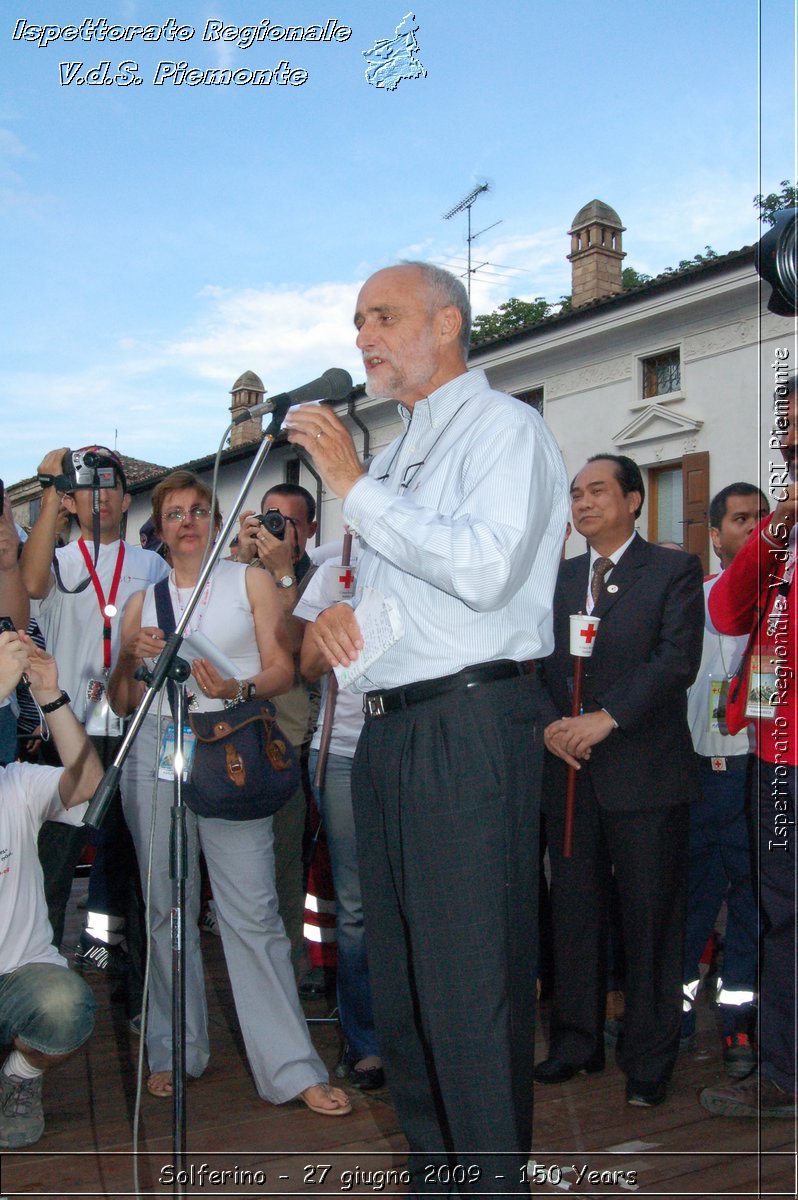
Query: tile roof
point(666, 281)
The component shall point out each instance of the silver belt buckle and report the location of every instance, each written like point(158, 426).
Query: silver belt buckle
point(375, 706)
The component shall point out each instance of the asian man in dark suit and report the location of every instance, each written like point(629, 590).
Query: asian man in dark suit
point(636, 775)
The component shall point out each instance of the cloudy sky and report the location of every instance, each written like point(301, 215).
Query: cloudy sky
point(159, 239)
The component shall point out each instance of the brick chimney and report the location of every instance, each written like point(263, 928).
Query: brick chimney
point(247, 390)
point(596, 253)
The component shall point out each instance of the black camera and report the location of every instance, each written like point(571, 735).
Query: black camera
point(273, 522)
point(775, 262)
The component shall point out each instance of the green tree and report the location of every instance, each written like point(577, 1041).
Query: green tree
point(631, 278)
point(770, 205)
point(696, 260)
point(508, 318)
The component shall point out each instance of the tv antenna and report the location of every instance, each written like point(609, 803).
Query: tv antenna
point(466, 204)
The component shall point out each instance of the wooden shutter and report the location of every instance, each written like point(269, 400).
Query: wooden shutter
point(695, 492)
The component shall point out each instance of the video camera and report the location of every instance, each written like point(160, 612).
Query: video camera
point(90, 467)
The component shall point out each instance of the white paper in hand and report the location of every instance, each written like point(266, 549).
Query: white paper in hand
point(381, 627)
point(197, 645)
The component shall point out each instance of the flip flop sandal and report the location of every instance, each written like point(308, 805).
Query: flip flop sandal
point(341, 1111)
point(159, 1084)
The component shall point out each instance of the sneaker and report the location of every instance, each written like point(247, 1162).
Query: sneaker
point(754, 1097)
point(208, 922)
point(739, 1056)
point(100, 958)
point(21, 1116)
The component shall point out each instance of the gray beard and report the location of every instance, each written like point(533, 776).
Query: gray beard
point(376, 393)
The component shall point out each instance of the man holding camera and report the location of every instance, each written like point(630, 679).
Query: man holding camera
point(46, 1011)
point(277, 541)
point(82, 589)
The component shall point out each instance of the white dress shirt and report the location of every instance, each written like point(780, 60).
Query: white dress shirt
point(614, 558)
point(461, 520)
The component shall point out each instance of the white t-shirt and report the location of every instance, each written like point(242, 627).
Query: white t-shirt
point(73, 624)
point(28, 798)
point(719, 660)
point(323, 590)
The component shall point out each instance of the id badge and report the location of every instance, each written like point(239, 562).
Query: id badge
point(166, 756)
point(718, 701)
point(762, 688)
point(101, 720)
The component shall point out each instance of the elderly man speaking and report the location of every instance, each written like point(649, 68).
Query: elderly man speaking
point(461, 521)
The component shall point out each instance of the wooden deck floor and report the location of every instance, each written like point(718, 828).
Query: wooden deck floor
point(582, 1126)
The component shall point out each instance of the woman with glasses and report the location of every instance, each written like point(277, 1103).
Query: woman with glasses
point(239, 611)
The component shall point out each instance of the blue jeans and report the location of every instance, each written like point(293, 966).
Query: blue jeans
point(354, 989)
point(722, 866)
point(8, 735)
point(47, 1006)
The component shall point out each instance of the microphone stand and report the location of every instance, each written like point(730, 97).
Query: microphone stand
point(178, 872)
point(170, 666)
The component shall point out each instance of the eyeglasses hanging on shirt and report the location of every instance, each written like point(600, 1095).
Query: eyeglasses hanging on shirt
point(415, 467)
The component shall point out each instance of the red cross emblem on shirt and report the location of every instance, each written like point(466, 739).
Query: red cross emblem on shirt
point(347, 579)
point(588, 633)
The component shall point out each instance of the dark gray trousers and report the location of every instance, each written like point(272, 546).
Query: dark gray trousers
point(446, 796)
point(648, 852)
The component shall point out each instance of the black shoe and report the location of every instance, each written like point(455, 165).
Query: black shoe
point(646, 1093)
point(318, 982)
point(99, 958)
point(367, 1080)
point(554, 1070)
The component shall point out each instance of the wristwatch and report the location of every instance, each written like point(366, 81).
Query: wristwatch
point(246, 691)
point(285, 581)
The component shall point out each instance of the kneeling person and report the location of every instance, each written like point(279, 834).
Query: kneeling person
point(46, 1010)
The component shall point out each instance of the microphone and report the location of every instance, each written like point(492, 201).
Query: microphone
point(334, 384)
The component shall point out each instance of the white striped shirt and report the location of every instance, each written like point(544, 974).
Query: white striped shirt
point(470, 547)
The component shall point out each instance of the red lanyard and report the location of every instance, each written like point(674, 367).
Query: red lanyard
point(107, 607)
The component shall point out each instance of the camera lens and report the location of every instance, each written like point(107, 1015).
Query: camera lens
point(274, 522)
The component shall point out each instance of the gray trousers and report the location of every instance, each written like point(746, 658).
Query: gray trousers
point(240, 860)
point(446, 799)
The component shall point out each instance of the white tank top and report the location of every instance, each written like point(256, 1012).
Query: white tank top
point(223, 615)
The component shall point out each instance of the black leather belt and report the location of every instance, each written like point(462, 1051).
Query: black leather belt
point(377, 704)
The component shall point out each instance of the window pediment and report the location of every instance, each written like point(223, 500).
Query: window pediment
point(655, 423)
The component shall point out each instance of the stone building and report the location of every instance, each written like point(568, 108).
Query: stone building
point(676, 373)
